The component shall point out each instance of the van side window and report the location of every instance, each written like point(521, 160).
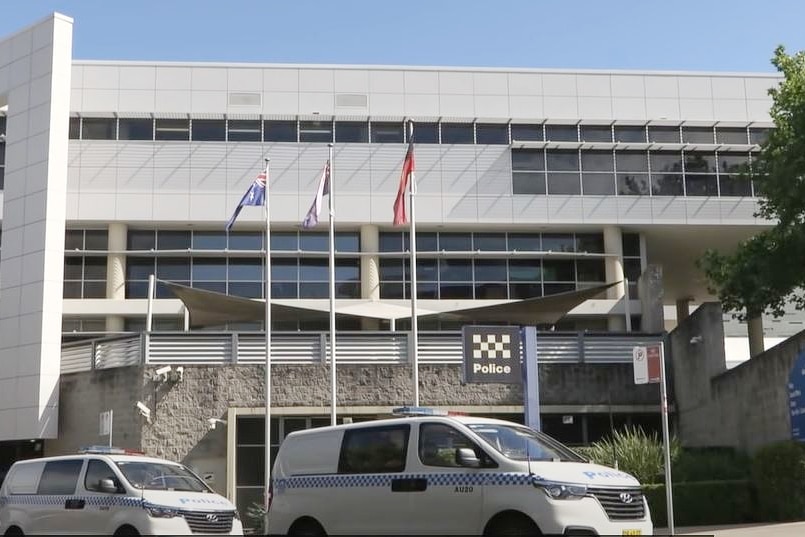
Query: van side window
point(374, 450)
point(96, 471)
point(438, 444)
point(60, 477)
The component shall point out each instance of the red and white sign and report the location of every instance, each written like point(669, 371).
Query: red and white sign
point(646, 362)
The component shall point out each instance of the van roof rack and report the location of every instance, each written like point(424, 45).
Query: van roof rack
point(411, 411)
point(108, 450)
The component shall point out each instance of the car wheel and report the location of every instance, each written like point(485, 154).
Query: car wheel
point(307, 527)
point(14, 531)
point(513, 524)
point(126, 531)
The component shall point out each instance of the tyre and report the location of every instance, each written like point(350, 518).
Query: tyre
point(126, 531)
point(511, 524)
point(13, 531)
point(306, 527)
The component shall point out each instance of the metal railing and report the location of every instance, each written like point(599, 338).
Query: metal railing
point(219, 348)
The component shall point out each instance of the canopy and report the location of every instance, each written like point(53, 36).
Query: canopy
point(208, 308)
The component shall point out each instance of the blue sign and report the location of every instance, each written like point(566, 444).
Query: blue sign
point(796, 398)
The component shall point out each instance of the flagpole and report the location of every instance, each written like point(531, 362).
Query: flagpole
point(412, 241)
point(331, 204)
point(267, 380)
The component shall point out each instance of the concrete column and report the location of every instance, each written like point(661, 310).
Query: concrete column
point(116, 272)
point(613, 265)
point(754, 327)
point(370, 271)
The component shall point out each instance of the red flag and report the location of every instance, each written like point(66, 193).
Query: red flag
point(400, 218)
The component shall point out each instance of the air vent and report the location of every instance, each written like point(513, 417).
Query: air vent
point(245, 99)
point(357, 100)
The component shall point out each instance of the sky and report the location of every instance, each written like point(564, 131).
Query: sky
point(666, 35)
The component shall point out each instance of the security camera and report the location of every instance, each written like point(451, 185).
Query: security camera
point(212, 422)
point(144, 411)
point(161, 374)
point(176, 375)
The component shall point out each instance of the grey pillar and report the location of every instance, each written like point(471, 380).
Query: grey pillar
point(116, 272)
point(370, 271)
point(613, 247)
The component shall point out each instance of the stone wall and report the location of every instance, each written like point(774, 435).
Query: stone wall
point(745, 407)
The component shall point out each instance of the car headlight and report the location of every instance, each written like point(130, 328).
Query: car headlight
point(155, 511)
point(560, 491)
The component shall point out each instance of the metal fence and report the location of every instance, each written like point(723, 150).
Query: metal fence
point(219, 348)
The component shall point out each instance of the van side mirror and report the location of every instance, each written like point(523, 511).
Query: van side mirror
point(466, 457)
point(108, 485)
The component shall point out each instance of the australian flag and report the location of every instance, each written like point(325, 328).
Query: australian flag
point(256, 195)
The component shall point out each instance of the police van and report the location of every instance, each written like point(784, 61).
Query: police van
point(111, 491)
point(429, 472)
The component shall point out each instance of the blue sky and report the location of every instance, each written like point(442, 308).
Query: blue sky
point(734, 35)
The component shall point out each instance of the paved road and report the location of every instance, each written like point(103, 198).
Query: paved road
point(792, 529)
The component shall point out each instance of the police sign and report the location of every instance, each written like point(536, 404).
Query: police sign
point(492, 354)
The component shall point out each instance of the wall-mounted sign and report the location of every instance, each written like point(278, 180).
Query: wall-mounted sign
point(492, 354)
point(646, 364)
point(796, 397)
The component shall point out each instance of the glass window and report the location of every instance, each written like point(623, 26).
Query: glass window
point(564, 183)
point(666, 184)
point(629, 133)
point(632, 161)
point(387, 133)
point(491, 270)
point(439, 445)
point(209, 240)
point(391, 269)
point(139, 268)
point(136, 129)
point(701, 185)
point(314, 131)
point(284, 241)
point(562, 133)
point(172, 129)
point(528, 159)
point(696, 162)
point(248, 289)
point(525, 270)
point(528, 183)
point(558, 242)
point(490, 242)
point(455, 242)
point(697, 135)
point(173, 240)
point(426, 133)
point(391, 242)
point(455, 270)
point(592, 243)
point(74, 239)
point(351, 132)
point(173, 269)
point(74, 132)
point(521, 443)
point(374, 450)
point(210, 269)
point(758, 136)
point(60, 477)
point(95, 268)
point(632, 269)
point(597, 161)
point(492, 133)
point(426, 269)
point(209, 130)
point(525, 290)
point(284, 269)
point(560, 160)
point(141, 240)
point(71, 289)
point(559, 270)
point(524, 242)
point(590, 270)
point(489, 291)
point(96, 239)
point(734, 163)
point(731, 135)
point(663, 134)
point(244, 130)
point(243, 269)
point(633, 184)
point(425, 242)
point(665, 162)
point(96, 128)
point(734, 185)
point(284, 289)
point(314, 290)
point(596, 133)
point(96, 472)
point(73, 268)
point(527, 133)
point(149, 475)
point(347, 242)
point(457, 133)
point(631, 244)
point(314, 242)
point(598, 184)
point(285, 131)
point(314, 270)
point(245, 240)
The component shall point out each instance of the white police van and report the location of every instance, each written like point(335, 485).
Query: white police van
point(111, 491)
point(438, 474)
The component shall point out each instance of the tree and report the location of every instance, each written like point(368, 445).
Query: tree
point(766, 271)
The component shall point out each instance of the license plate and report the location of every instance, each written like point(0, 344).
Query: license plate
point(632, 532)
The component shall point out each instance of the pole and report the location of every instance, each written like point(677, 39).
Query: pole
point(267, 380)
point(331, 204)
point(669, 498)
point(627, 306)
point(414, 327)
point(531, 368)
point(150, 307)
point(111, 425)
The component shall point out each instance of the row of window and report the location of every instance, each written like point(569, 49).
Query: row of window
point(220, 130)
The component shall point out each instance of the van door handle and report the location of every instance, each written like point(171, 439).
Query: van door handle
point(410, 484)
point(74, 503)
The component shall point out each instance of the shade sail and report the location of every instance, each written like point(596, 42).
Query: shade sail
point(209, 308)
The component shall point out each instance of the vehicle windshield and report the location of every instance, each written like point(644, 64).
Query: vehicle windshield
point(159, 476)
point(521, 443)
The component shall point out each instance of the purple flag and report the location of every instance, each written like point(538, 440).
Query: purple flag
point(312, 216)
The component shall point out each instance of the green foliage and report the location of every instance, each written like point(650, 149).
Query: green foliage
point(255, 517)
point(636, 453)
point(778, 471)
point(762, 274)
point(703, 503)
point(710, 464)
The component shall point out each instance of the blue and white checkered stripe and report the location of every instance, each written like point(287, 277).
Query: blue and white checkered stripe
point(435, 479)
point(91, 501)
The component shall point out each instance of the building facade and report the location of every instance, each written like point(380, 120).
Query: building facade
point(531, 183)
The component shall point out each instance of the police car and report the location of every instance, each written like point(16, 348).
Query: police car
point(430, 472)
point(111, 491)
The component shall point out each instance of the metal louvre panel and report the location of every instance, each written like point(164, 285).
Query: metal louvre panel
point(357, 349)
point(198, 349)
point(200, 523)
point(76, 357)
point(285, 349)
point(440, 348)
point(617, 509)
point(117, 353)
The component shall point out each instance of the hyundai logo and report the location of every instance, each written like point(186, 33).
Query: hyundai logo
point(212, 517)
point(625, 497)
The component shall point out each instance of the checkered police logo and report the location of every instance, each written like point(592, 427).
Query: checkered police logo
point(492, 354)
point(493, 346)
